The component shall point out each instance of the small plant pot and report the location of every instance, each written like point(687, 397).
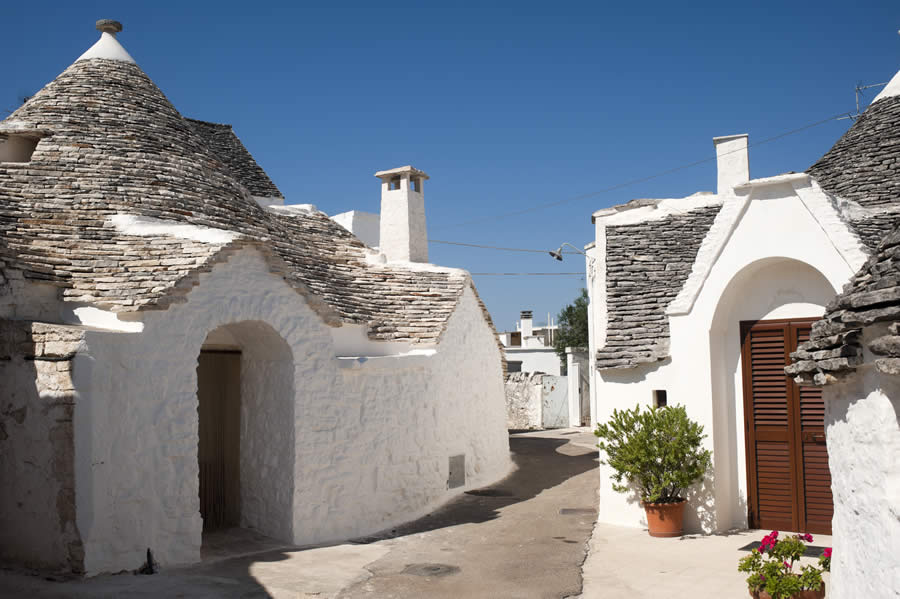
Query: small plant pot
point(817, 594)
point(665, 519)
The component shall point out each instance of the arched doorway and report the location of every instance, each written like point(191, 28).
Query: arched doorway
point(763, 312)
point(245, 393)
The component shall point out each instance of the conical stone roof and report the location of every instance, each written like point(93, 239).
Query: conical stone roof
point(863, 168)
point(114, 150)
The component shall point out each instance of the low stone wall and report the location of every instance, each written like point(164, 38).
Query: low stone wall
point(37, 477)
point(523, 400)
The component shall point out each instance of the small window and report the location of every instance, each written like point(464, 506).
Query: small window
point(513, 366)
point(17, 148)
point(394, 184)
point(416, 184)
point(660, 399)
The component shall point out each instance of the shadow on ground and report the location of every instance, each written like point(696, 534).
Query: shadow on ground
point(541, 463)
point(538, 467)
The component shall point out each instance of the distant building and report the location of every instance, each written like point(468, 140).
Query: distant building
point(530, 348)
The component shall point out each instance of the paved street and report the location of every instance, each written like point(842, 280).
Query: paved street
point(525, 537)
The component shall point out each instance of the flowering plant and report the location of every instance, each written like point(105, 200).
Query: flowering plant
point(771, 567)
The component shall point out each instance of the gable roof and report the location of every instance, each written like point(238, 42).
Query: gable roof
point(117, 160)
point(647, 263)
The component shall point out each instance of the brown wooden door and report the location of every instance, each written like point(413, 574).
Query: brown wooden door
point(789, 484)
point(218, 391)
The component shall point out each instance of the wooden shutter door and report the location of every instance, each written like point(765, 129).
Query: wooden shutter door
point(767, 418)
point(788, 481)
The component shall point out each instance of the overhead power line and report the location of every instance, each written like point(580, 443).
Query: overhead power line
point(492, 247)
point(599, 192)
point(526, 274)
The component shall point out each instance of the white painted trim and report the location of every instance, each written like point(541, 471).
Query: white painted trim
point(825, 212)
point(291, 209)
point(890, 90)
point(776, 180)
point(716, 238)
point(639, 211)
point(145, 226)
point(266, 201)
point(816, 201)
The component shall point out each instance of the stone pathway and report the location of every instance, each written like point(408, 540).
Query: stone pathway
point(525, 537)
point(627, 562)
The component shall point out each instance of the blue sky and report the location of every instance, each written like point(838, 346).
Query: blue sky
point(507, 105)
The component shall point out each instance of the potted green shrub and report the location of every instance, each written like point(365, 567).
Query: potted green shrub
point(659, 453)
point(772, 572)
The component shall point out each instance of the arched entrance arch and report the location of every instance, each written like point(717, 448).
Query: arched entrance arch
point(246, 399)
point(775, 288)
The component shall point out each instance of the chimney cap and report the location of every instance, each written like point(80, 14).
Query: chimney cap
point(525, 314)
point(109, 26)
point(721, 138)
point(394, 172)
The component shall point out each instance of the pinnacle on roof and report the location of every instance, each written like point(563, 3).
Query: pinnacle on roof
point(890, 90)
point(108, 46)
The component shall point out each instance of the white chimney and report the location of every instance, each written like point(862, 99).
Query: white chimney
point(732, 160)
point(402, 233)
point(527, 330)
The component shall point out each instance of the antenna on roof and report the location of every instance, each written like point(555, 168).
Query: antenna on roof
point(859, 89)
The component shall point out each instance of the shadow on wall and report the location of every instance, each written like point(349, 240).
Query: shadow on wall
point(37, 475)
point(539, 467)
point(700, 511)
point(638, 374)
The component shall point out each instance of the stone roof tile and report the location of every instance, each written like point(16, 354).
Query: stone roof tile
point(116, 146)
point(646, 266)
point(864, 165)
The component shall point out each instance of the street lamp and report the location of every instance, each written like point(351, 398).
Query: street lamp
point(558, 255)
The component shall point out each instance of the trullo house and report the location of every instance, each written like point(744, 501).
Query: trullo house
point(180, 352)
point(701, 300)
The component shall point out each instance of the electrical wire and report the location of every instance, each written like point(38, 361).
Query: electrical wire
point(526, 274)
point(493, 247)
point(641, 179)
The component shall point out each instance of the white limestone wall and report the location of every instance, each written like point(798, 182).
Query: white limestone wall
point(524, 395)
point(862, 425)
point(772, 259)
point(365, 225)
point(544, 360)
point(35, 458)
point(371, 441)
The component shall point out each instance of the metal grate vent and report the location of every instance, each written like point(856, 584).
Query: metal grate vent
point(457, 474)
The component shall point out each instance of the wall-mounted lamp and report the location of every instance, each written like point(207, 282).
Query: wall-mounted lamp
point(558, 255)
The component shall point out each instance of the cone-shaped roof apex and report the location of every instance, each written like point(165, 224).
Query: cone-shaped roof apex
point(108, 46)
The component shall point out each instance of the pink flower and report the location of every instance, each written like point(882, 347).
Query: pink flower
point(806, 537)
point(827, 552)
point(768, 541)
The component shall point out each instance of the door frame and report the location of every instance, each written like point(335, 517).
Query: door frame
point(798, 515)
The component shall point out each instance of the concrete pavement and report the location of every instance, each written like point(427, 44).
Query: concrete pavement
point(629, 563)
point(525, 537)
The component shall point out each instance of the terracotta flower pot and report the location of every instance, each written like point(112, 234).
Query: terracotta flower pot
point(665, 519)
point(817, 594)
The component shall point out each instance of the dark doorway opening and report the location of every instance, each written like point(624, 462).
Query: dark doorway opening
point(219, 394)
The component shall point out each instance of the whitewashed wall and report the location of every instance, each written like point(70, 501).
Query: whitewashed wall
point(768, 255)
point(544, 360)
point(862, 425)
point(371, 438)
